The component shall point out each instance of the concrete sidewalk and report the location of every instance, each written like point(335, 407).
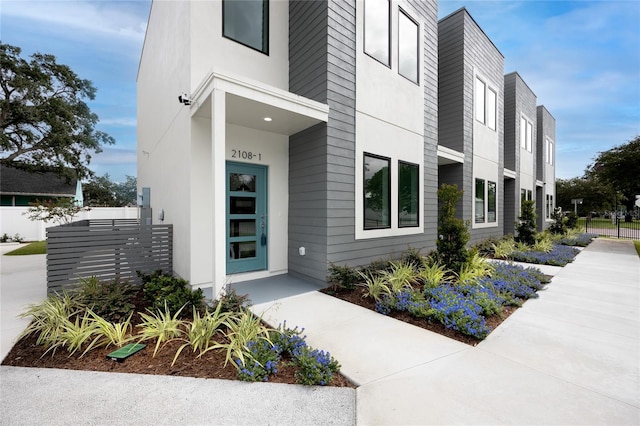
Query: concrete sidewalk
point(569, 357)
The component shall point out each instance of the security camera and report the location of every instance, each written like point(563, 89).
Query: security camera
point(184, 99)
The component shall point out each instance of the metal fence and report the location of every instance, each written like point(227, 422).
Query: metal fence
point(108, 249)
point(628, 228)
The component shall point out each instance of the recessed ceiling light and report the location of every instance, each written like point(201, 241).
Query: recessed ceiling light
point(267, 119)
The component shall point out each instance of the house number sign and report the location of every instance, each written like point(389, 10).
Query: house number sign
point(246, 155)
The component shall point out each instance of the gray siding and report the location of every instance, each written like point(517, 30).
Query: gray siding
point(463, 47)
point(511, 199)
point(546, 127)
point(519, 99)
point(322, 171)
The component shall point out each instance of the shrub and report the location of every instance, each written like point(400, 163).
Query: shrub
point(401, 276)
point(262, 361)
point(161, 326)
point(526, 228)
point(111, 300)
point(572, 220)
point(230, 301)
point(559, 226)
point(559, 256)
point(376, 286)
point(453, 234)
point(166, 291)
point(343, 276)
point(503, 248)
point(4, 238)
point(432, 275)
point(456, 311)
point(413, 257)
point(17, 238)
point(315, 367)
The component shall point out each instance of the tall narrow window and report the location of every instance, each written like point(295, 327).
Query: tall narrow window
point(523, 132)
point(523, 196)
point(377, 192)
point(492, 100)
point(491, 202)
point(479, 201)
point(247, 22)
point(408, 194)
point(529, 136)
point(408, 42)
point(549, 151)
point(479, 100)
point(376, 29)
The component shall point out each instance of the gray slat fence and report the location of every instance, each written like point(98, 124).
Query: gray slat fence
point(107, 249)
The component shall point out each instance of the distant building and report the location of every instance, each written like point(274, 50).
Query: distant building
point(20, 187)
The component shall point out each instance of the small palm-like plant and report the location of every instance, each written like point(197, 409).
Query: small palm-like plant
point(521, 247)
point(75, 334)
point(376, 285)
point(503, 248)
point(109, 333)
point(161, 326)
point(432, 274)
point(50, 318)
point(401, 276)
point(242, 329)
point(200, 333)
point(475, 268)
point(543, 244)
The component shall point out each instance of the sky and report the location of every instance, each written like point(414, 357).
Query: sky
point(581, 59)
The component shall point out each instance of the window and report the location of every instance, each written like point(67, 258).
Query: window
point(408, 194)
point(408, 42)
point(480, 201)
point(376, 29)
point(491, 109)
point(491, 202)
point(526, 134)
point(247, 22)
point(525, 195)
point(529, 135)
point(479, 107)
point(377, 192)
point(549, 206)
point(549, 151)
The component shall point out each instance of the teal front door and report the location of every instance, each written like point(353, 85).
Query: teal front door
point(246, 217)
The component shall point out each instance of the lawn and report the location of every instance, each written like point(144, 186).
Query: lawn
point(606, 223)
point(37, 247)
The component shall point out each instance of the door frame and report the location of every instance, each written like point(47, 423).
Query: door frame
point(260, 261)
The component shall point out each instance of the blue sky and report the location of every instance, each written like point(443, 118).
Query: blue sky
point(581, 59)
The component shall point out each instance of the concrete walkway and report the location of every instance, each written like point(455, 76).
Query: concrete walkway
point(569, 357)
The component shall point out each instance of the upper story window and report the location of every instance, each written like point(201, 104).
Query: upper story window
point(526, 134)
point(549, 151)
point(486, 103)
point(408, 47)
point(377, 29)
point(247, 22)
point(377, 192)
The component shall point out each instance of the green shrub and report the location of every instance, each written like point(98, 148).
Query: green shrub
point(559, 226)
point(166, 291)
point(343, 276)
point(111, 300)
point(453, 233)
point(231, 301)
point(526, 228)
point(413, 257)
point(572, 220)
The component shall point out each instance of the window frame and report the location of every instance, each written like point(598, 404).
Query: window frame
point(417, 195)
point(364, 192)
point(477, 105)
point(401, 13)
point(491, 112)
point(483, 218)
point(389, 26)
point(495, 201)
point(265, 28)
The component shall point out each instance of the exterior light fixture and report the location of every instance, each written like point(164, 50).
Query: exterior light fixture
point(268, 119)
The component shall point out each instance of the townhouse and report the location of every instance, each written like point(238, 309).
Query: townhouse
point(283, 136)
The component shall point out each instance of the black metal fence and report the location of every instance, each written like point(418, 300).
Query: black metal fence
point(613, 227)
point(107, 249)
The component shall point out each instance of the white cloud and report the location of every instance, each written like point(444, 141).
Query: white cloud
point(119, 122)
point(105, 18)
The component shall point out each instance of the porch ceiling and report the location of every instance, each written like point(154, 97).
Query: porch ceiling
point(250, 113)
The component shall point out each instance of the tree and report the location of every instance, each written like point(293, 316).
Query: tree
point(453, 233)
point(43, 116)
point(596, 195)
point(526, 228)
point(101, 191)
point(60, 210)
point(620, 168)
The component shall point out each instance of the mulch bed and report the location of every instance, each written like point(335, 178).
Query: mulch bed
point(356, 296)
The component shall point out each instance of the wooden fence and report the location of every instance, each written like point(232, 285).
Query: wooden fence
point(107, 249)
